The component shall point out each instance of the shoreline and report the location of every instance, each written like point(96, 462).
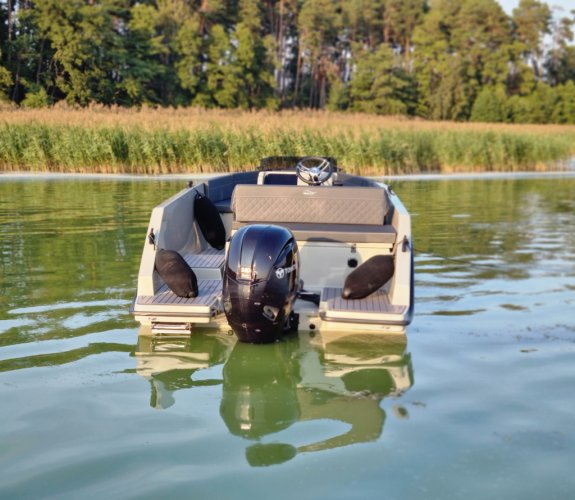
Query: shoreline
point(25, 175)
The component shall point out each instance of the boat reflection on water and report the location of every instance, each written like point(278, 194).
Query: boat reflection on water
point(169, 363)
point(267, 389)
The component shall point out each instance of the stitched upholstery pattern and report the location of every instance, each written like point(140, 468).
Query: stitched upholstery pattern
point(329, 205)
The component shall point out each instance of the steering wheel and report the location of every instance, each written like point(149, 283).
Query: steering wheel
point(314, 170)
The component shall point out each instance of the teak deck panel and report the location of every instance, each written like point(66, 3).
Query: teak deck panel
point(376, 303)
point(209, 258)
point(208, 292)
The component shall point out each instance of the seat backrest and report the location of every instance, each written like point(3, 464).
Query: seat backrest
point(315, 204)
point(221, 188)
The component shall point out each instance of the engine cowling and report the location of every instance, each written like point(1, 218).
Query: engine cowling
point(261, 281)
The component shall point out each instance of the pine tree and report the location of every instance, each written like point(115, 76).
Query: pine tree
point(318, 24)
point(253, 61)
point(380, 85)
point(222, 76)
point(560, 60)
point(190, 47)
point(24, 52)
point(439, 68)
point(363, 22)
point(400, 20)
point(144, 77)
point(460, 47)
point(532, 20)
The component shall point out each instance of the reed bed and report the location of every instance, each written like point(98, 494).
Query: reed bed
point(149, 141)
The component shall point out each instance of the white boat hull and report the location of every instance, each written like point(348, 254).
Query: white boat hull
point(325, 263)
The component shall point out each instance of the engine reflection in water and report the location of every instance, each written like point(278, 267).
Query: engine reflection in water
point(269, 388)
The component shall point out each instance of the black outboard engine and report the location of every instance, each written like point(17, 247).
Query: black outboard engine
point(261, 283)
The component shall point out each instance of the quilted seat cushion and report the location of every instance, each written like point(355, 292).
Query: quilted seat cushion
point(315, 204)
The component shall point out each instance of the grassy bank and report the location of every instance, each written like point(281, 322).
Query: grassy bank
point(173, 141)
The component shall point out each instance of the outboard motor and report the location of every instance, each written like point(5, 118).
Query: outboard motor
point(261, 283)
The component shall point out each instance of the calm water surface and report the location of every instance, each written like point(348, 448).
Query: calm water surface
point(476, 403)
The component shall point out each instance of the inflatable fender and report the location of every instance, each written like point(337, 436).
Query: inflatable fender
point(367, 278)
point(210, 222)
point(176, 273)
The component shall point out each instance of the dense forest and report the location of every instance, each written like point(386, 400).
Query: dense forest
point(435, 59)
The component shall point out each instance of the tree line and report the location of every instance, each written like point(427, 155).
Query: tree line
point(435, 59)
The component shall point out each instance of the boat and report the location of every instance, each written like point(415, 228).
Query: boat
point(297, 244)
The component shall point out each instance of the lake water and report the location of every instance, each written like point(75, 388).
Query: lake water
point(477, 402)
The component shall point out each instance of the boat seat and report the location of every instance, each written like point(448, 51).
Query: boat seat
point(348, 214)
point(219, 189)
point(310, 204)
point(224, 206)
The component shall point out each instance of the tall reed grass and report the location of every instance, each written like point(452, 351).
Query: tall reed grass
point(178, 141)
